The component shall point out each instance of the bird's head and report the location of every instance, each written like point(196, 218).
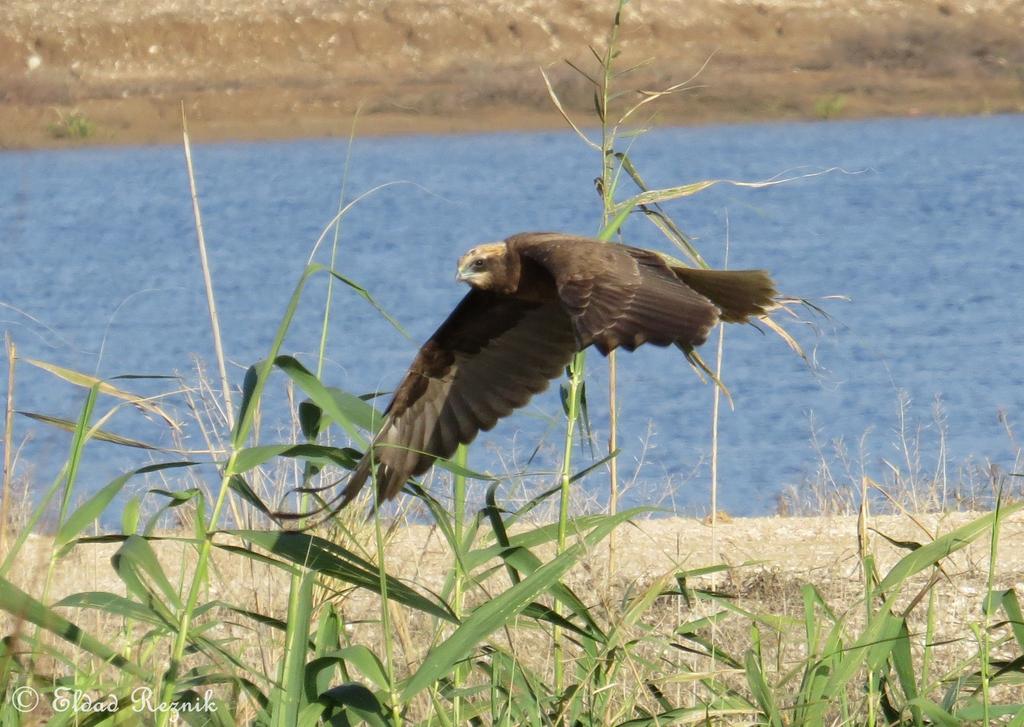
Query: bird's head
point(483, 267)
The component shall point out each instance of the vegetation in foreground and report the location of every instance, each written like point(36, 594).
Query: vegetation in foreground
point(517, 629)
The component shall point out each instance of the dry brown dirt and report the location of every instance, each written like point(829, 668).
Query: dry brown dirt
point(249, 69)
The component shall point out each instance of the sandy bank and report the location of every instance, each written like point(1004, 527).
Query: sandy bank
point(821, 550)
point(260, 69)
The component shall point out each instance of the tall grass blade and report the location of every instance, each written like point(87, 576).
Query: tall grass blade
point(762, 692)
point(23, 607)
point(287, 699)
point(1011, 605)
point(326, 318)
point(499, 610)
point(936, 714)
point(135, 559)
point(933, 552)
point(558, 105)
point(105, 387)
point(100, 435)
point(211, 303)
point(331, 559)
point(115, 605)
point(8, 444)
point(318, 454)
point(365, 295)
point(65, 477)
point(337, 408)
point(902, 661)
point(93, 508)
point(358, 701)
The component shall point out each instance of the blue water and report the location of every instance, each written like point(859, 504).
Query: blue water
point(99, 272)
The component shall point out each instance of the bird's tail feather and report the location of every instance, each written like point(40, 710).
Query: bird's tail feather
point(355, 482)
point(390, 478)
point(739, 294)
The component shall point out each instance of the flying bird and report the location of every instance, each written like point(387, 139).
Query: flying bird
point(534, 301)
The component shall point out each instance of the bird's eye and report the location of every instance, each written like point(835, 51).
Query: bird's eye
point(478, 263)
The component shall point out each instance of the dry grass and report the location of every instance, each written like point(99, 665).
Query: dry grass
point(770, 561)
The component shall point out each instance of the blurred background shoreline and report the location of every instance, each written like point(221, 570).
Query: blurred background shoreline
point(102, 72)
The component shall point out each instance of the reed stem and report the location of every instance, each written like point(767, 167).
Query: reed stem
point(5, 495)
point(204, 262)
point(458, 587)
point(211, 303)
point(608, 134)
point(572, 414)
point(385, 613)
point(334, 249)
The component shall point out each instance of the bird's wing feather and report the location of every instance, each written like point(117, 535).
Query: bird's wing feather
point(618, 295)
point(489, 357)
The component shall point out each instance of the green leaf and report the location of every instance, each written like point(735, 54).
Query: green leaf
point(935, 713)
point(533, 538)
point(367, 663)
point(459, 470)
point(327, 639)
point(238, 485)
point(86, 381)
point(878, 636)
point(177, 499)
point(526, 562)
point(249, 382)
point(359, 700)
point(311, 715)
point(100, 435)
point(94, 506)
point(1011, 605)
point(135, 559)
point(64, 480)
point(256, 377)
point(886, 636)
point(287, 699)
point(310, 420)
point(115, 605)
point(130, 515)
point(331, 406)
point(762, 692)
point(365, 295)
point(318, 454)
point(928, 555)
point(903, 662)
point(359, 411)
point(206, 710)
point(333, 560)
point(615, 224)
point(977, 712)
point(23, 607)
point(502, 609)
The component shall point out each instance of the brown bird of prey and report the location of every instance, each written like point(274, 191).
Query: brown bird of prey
point(534, 301)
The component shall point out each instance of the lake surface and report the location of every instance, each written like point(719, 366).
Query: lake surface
point(100, 272)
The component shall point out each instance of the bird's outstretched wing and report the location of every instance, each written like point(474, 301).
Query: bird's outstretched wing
point(618, 295)
point(489, 357)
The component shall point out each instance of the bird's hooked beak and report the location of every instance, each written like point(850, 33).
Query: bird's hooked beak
point(472, 269)
point(465, 270)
